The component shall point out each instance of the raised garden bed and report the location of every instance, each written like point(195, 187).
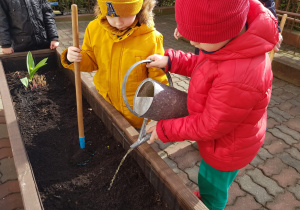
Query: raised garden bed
point(44, 140)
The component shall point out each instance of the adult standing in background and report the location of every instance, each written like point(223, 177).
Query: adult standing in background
point(27, 25)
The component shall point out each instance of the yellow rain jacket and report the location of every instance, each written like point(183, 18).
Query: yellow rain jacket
point(112, 52)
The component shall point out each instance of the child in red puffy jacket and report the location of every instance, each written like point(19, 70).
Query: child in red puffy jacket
point(229, 91)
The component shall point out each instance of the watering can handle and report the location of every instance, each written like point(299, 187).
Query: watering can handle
point(125, 82)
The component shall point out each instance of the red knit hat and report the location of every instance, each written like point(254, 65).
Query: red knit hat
point(210, 21)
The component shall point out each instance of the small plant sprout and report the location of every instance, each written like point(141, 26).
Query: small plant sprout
point(32, 69)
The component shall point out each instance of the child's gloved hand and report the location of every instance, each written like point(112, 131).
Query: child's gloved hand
point(159, 61)
point(154, 135)
point(74, 54)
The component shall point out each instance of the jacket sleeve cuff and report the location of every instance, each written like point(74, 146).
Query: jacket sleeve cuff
point(64, 61)
point(160, 132)
point(66, 58)
point(168, 66)
point(6, 46)
point(169, 53)
point(54, 39)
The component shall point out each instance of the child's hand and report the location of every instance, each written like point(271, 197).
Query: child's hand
point(177, 34)
point(154, 135)
point(9, 50)
point(277, 46)
point(54, 44)
point(159, 61)
point(74, 54)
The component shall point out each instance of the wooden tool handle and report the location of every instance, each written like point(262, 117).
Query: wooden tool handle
point(77, 71)
point(282, 22)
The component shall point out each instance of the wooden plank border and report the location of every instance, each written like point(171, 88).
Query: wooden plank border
point(29, 191)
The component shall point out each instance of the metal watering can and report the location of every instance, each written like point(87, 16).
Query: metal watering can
point(154, 100)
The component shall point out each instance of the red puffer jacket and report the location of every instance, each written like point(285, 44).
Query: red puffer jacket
point(228, 95)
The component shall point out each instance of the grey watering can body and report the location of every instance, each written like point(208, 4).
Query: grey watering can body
point(155, 101)
point(158, 101)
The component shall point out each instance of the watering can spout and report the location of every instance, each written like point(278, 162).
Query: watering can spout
point(141, 141)
point(143, 136)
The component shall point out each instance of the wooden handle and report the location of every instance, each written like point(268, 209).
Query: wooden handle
point(75, 31)
point(77, 71)
point(282, 22)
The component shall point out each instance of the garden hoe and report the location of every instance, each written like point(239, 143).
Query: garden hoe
point(81, 154)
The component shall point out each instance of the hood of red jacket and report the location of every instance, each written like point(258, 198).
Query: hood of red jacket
point(260, 37)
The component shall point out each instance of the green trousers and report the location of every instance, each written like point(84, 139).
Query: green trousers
point(213, 185)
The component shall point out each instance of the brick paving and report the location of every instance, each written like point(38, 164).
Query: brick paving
point(10, 196)
point(270, 181)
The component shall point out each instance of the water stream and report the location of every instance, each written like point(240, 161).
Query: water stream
point(112, 181)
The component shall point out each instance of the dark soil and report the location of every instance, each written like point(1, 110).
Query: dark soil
point(47, 118)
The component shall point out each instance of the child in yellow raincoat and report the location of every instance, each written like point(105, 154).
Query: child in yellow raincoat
point(122, 34)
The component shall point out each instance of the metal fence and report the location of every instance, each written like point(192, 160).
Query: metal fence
point(292, 21)
point(292, 9)
point(64, 6)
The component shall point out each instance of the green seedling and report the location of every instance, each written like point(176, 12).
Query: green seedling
point(32, 68)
